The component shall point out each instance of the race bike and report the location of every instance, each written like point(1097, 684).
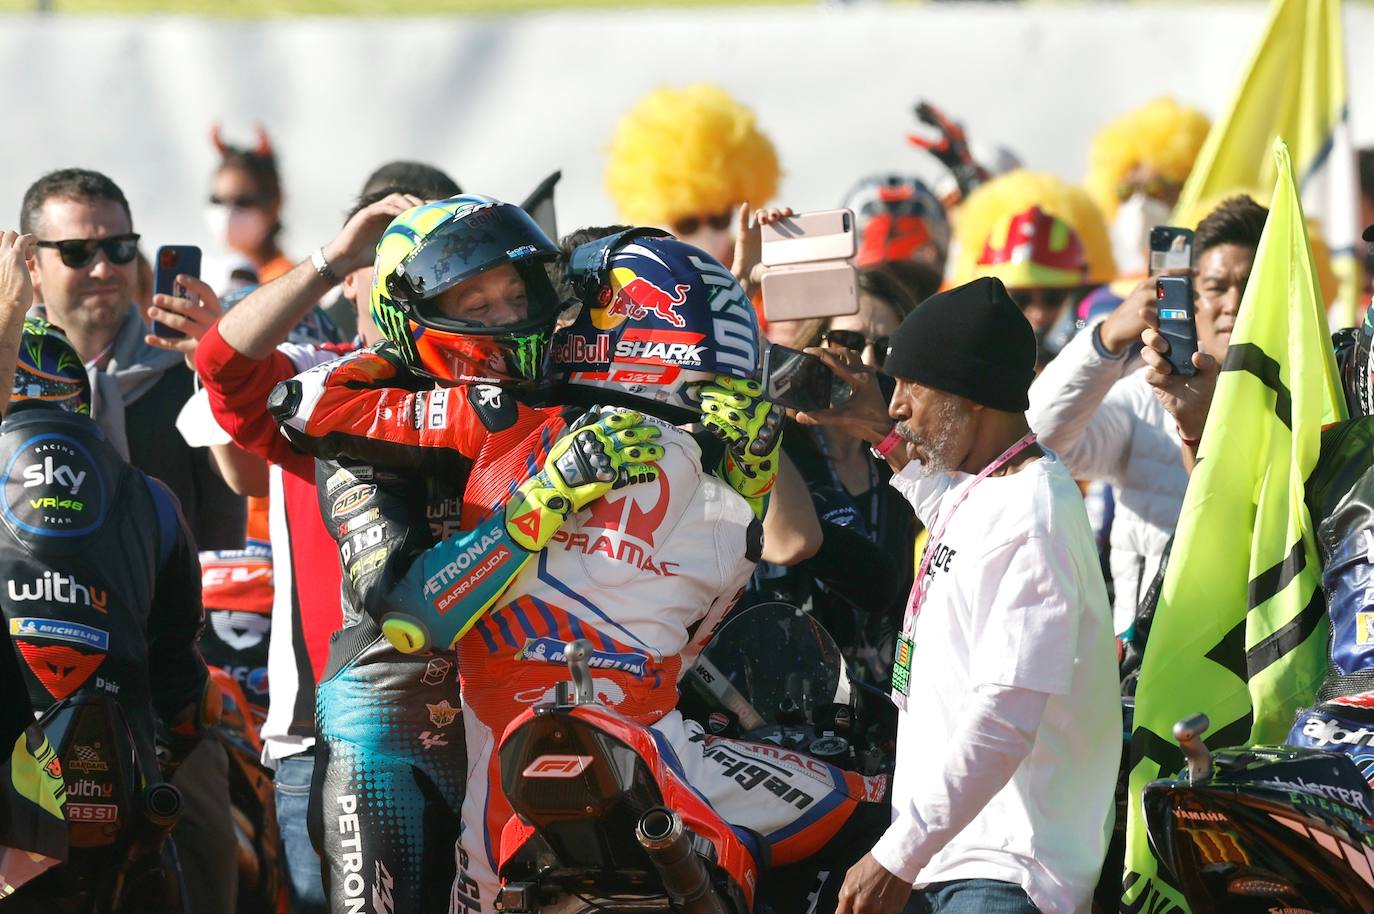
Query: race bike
point(118, 818)
point(604, 821)
point(1264, 829)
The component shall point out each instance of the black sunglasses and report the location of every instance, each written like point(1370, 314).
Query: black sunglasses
point(855, 342)
point(247, 201)
point(690, 225)
point(78, 252)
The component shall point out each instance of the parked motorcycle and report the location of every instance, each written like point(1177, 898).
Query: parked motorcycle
point(120, 861)
point(1264, 829)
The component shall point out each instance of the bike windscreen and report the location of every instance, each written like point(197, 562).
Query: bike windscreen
point(770, 661)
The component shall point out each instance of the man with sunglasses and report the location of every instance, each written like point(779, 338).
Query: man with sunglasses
point(85, 278)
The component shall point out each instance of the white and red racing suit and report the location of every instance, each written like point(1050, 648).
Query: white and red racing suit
point(645, 574)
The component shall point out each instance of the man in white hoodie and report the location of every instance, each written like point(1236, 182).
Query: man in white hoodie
point(1093, 406)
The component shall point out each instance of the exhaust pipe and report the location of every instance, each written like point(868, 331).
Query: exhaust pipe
point(661, 833)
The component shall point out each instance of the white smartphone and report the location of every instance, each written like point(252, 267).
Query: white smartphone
point(809, 237)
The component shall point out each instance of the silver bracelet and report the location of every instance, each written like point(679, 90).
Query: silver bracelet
point(322, 266)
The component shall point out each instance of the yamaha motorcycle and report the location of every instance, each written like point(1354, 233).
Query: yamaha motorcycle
point(118, 820)
point(603, 821)
point(1264, 829)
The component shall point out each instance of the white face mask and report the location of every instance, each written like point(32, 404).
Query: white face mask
point(240, 229)
point(1130, 233)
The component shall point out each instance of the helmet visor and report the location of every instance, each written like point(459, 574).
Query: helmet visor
point(473, 242)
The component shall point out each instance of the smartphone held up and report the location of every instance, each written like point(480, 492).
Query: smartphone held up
point(174, 260)
point(1177, 322)
point(811, 272)
point(800, 381)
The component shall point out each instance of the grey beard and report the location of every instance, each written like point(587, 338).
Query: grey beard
point(937, 446)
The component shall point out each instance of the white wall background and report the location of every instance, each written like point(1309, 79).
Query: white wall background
point(501, 102)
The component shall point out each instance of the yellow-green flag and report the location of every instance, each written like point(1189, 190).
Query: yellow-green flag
point(1240, 630)
point(1294, 88)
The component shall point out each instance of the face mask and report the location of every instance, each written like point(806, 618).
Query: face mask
point(1131, 233)
point(238, 228)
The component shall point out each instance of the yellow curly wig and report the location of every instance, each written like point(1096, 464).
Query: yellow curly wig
point(1015, 192)
point(683, 152)
point(1161, 133)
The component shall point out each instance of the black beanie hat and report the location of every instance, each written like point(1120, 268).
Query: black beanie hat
point(971, 341)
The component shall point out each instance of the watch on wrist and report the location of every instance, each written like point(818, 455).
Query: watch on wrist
point(884, 447)
point(322, 266)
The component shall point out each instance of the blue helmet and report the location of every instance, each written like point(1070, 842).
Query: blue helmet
point(49, 369)
point(658, 318)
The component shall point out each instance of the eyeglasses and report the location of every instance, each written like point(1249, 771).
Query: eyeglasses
point(247, 201)
point(78, 252)
point(855, 342)
point(690, 225)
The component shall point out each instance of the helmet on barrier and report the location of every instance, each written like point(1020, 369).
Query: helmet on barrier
point(424, 259)
point(658, 318)
point(49, 369)
point(897, 218)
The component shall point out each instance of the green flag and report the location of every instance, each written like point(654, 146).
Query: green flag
point(1295, 88)
point(1241, 629)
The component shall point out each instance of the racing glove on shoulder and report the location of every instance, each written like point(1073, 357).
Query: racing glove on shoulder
point(452, 584)
point(751, 427)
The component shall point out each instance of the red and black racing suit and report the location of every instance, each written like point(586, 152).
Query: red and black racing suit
point(390, 770)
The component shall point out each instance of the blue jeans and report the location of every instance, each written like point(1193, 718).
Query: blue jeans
point(302, 863)
point(971, 896)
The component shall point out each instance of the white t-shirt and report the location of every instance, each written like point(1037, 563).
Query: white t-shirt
point(1015, 598)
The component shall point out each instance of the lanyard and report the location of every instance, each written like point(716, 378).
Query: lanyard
point(818, 438)
point(918, 590)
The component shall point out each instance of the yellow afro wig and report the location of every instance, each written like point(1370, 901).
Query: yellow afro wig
point(684, 152)
point(1161, 134)
point(1015, 192)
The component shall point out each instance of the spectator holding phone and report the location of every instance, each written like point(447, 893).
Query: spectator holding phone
point(865, 523)
point(85, 280)
point(1109, 420)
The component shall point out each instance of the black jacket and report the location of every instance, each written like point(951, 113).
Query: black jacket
point(102, 579)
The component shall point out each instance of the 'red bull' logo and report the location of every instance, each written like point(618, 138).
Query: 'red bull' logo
point(635, 297)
